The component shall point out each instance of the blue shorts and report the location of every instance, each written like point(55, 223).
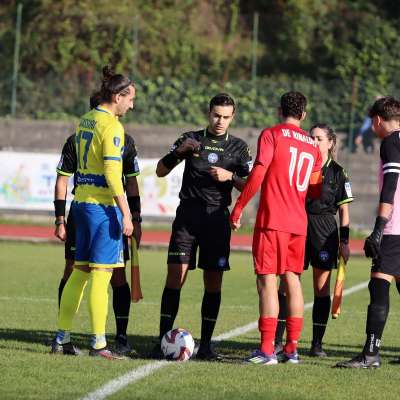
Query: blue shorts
point(99, 236)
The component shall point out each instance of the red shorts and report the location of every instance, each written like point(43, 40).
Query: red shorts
point(276, 252)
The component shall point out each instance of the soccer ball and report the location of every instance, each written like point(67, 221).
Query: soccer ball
point(177, 344)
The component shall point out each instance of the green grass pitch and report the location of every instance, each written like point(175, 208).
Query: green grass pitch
point(29, 277)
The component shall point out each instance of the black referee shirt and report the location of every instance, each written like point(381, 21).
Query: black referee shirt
point(225, 151)
point(336, 190)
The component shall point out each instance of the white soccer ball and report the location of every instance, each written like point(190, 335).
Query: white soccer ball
point(177, 344)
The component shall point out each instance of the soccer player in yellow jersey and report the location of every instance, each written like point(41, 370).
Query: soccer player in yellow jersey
point(101, 213)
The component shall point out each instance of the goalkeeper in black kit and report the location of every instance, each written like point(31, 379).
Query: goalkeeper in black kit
point(383, 244)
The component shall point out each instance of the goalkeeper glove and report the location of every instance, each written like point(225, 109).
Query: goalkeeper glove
point(373, 241)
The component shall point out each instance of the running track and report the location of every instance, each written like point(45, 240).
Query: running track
point(149, 238)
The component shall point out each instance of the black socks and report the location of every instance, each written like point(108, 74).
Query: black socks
point(320, 316)
point(121, 306)
point(169, 309)
point(209, 313)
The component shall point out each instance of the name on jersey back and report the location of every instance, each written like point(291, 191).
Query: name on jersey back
point(299, 136)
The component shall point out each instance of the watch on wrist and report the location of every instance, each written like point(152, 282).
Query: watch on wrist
point(59, 222)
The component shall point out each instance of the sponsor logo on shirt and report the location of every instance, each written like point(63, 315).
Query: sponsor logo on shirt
point(212, 158)
point(347, 188)
point(213, 148)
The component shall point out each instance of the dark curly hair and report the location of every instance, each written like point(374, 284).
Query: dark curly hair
point(111, 84)
point(387, 108)
point(293, 104)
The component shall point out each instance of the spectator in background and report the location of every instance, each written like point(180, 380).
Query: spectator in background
point(366, 136)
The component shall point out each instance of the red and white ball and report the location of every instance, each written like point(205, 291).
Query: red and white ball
point(177, 344)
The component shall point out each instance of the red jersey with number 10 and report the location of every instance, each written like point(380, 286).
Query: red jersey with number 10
point(291, 156)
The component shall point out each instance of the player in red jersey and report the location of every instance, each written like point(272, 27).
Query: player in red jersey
point(288, 159)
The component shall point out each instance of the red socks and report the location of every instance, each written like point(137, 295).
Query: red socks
point(293, 332)
point(267, 328)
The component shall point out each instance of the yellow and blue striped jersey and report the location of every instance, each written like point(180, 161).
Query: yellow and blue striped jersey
point(99, 141)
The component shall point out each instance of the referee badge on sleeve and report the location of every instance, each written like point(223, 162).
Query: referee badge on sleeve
point(347, 188)
point(60, 163)
point(116, 141)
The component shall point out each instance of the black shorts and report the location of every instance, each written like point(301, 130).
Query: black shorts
point(207, 228)
point(389, 260)
point(70, 242)
point(322, 242)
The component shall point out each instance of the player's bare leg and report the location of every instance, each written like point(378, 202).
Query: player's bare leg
point(269, 309)
point(209, 313)
point(321, 309)
point(294, 321)
point(175, 280)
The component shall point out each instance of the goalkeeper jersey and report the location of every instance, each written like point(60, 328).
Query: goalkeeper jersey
point(99, 142)
point(389, 180)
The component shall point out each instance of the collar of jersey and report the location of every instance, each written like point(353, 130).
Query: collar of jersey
point(104, 110)
point(328, 161)
point(217, 138)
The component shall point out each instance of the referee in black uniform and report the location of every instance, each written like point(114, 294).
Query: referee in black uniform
point(65, 229)
point(215, 162)
point(324, 243)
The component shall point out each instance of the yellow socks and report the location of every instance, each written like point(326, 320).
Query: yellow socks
point(98, 306)
point(71, 299)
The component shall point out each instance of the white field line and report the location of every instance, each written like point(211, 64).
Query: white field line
point(136, 374)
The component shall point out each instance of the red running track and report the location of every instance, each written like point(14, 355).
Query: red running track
point(149, 238)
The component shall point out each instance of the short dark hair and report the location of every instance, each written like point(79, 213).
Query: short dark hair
point(387, 108)
point(293, 104)
point(222, 99)
point(111, 84)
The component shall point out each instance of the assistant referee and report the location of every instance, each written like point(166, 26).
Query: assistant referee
point(215, 162)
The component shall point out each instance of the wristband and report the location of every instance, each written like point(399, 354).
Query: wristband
point(134, 204)
point(171, 160)
point(59, 208)
point(137, 219)
point(58, 222)
point(344, 234)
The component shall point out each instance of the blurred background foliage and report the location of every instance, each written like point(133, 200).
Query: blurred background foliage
point(341, 54)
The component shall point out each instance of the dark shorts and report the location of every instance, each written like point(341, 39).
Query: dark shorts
point(204, 228)
point(70, 244)
point(389, 261)
point(322, 242)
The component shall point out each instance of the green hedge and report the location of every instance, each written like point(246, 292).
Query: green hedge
point(174, 102)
